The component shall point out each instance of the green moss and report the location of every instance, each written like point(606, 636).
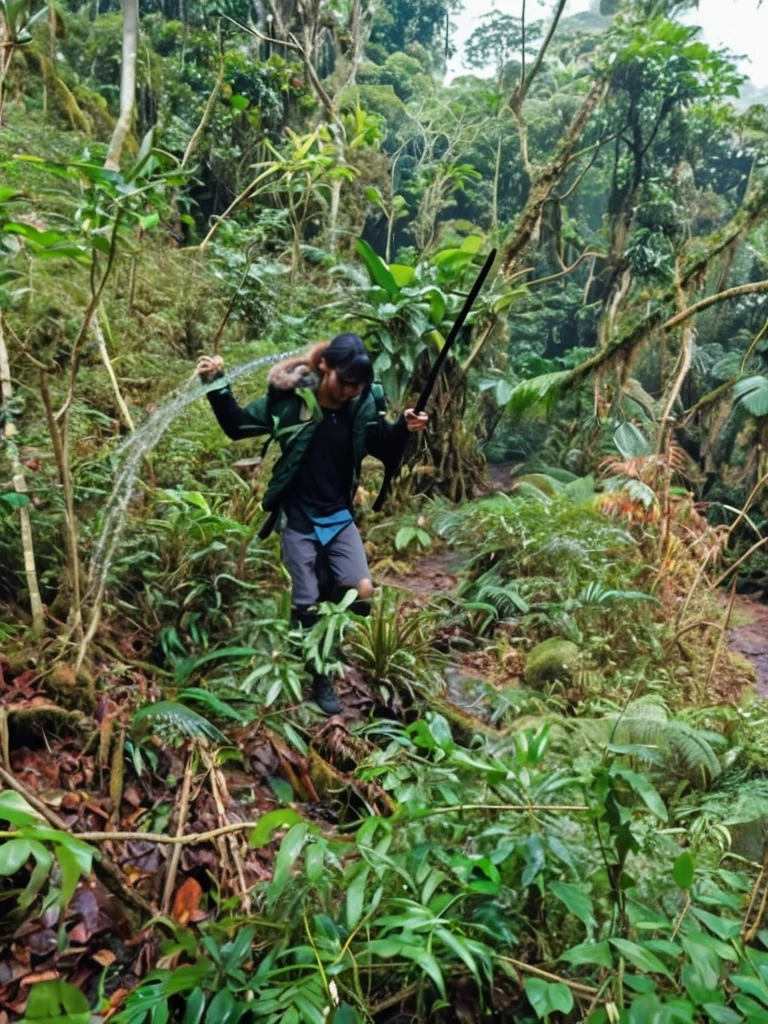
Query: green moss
point(553, 659)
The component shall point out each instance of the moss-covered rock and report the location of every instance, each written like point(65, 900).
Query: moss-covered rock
point(553, 659)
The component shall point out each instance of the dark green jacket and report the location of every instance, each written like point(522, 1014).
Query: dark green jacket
point(290, 416)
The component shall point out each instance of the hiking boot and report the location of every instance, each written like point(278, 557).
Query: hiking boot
point(324, 695)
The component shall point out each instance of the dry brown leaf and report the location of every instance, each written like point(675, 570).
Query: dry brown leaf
point(33, 979)
point(104, 957)
point(186, 900)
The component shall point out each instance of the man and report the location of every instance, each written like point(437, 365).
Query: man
point(326, 413)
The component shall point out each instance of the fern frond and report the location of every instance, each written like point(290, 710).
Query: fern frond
point(504, 600)
point(735, 805)
point(214, 703)
point(595, 593)
point(175, 721)
point(686, 752)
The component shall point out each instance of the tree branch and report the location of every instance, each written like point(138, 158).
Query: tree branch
point(711, 300)
point(753, 212)
point(545, 179)
point(103, 869)
point(517, 98)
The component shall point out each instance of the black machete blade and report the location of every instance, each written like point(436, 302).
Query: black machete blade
point(426, 391)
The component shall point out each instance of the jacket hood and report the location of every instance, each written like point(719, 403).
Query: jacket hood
point(298, 371)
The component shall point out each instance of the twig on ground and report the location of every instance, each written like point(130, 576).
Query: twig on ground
point(173, 864)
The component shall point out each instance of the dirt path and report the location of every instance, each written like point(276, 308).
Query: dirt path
point(431, 575)
point(751, 640)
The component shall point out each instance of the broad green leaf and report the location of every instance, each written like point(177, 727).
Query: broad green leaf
point(345, 1014)
point(644, 790)
point(754, 1013)
point(223, 652)
point(14, 500)
point(535, 859)
point(14, 854)
point(270, 822)
point(589, 953)
point(472, 244)
point(752, 986)
point(355, 898)
point(151, 220)
point(752, 393)
point(193, 1012)
point(233, 955)
point(290, 848)
point(437, 306)
point(639, 957)
point(239, 102)
point(15, 809)
point(377, 268)
point(724, 928)
point(402, 274)
point(537, 395)
point(683, 870)
point(216, 704)
point(631, 441)
point(56, 1002)
point(44, 861)
point(548, 996)
point(389, 948)
point(458, 946)
point(403, 537)
point(721, 1014)
point(430, 966)
point(314, 860)
point(440, 731)
point(506, 300)
point(223, 1008)
point(577, 901)
point(188, 977)
point(70, 866)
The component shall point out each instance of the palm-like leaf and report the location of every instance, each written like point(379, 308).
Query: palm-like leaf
point(174, 722)
point(752, 394)
point(537, 395)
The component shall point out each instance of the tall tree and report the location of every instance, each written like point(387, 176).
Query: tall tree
point(127, 84)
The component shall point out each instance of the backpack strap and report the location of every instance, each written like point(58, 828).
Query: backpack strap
point(379, 398)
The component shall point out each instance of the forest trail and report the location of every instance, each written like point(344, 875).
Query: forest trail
point(751, 639)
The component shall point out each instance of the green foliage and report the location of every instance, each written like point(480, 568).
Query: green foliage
point(550, 563)
point(752, 394)
point(56, 1001)
point(175, 722)
point(54, 853)
point(626, 889)
point(685, 753)
point(19, 20)
point(394, 645)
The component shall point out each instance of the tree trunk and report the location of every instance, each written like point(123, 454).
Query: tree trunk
point(7, 49)
point(546, 179)
point(127, 83)
point(20, 487)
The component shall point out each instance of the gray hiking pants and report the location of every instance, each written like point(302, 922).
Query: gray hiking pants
point(318, 572)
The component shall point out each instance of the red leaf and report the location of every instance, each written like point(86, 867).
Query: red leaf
point(185, 901)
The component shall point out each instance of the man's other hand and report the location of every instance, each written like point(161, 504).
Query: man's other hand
point(415, 421)
point(209, 367)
